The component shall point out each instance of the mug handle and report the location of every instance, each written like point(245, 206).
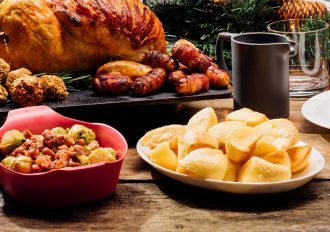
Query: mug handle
point(222, 36)
point(292, 45)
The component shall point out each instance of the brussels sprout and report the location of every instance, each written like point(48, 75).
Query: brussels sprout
point(102, 155)
point(23, 164)
point(8, 161)
point(83, 159)
point(81, 132)
point(10, 141)
point(58, 131)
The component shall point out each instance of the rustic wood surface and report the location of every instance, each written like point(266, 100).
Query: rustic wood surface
point(148, 201)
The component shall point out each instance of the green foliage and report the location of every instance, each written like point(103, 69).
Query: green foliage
point(74, 81)
point(202, 21)
point(326, 18)
point(313, 25)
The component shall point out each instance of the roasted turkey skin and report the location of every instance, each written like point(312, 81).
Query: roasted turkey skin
point(62, 35)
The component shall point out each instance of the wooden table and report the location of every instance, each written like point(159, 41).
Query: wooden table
point(147, 201)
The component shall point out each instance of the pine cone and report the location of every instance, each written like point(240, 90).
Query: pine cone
point(300, 9)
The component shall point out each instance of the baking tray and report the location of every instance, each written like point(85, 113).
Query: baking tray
point(87, 100)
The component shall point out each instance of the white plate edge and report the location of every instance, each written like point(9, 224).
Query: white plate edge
point(306, 113)
point(145, 157)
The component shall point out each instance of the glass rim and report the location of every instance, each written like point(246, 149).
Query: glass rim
point(326, 26)
point(236, 37)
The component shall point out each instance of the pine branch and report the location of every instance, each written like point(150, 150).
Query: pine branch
point(74, 81)
point(201, 21)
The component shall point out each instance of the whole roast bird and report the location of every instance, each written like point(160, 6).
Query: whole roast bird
point(62, 35)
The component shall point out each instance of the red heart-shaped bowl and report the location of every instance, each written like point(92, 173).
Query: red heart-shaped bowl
point(66, 186)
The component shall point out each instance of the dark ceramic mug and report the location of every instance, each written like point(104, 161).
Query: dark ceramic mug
point(260, 71)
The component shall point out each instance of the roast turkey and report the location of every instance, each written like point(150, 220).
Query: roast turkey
point(62, 35)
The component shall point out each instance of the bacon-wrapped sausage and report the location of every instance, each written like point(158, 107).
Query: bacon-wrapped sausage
point(157, 59)
point(175, 76)
point(218, 78)
point(191, 57)
point(149, 83)
point(190, 84)
point(111, 83)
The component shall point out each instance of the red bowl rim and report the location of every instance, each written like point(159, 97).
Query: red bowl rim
point(66, 169)
point(85, 167)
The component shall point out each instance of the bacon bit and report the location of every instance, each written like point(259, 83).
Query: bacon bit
point(32, 153)
point(63, 147)
point(92, 145)
point(73, 163)
point(35, 168)
point(18, 151)
point(81, 142)
point(47, 151)
point(77, 150)
point(63, 154)
point(68, 140)
point(27, 134)
point(44, 161)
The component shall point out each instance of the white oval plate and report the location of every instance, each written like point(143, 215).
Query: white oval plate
point(316, 164)
point(317, 110)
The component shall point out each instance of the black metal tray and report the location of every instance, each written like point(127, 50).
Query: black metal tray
point(87, 100)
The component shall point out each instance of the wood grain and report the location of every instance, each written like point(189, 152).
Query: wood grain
point(170, 206)
point(145, 200)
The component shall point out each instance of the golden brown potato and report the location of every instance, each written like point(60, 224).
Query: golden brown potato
point(283, 132)
point(240, 143)
point(159, 135)
point(194, 139)
point(232, 171)
point(256, 149)
point(277, 157)
point(127, 68)
point(260, 170)
point(182, 152)
point(205, 163)
point(252, 118)
point(266, 144)
point(202, 120)
point(164, 156)
point(299, 157)
point(223, 129)
point(182, 149)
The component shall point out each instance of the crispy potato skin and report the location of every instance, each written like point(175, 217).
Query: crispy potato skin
point(130, 69)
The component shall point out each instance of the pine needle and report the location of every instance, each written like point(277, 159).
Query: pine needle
point(74, 81)
point(201, 21)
